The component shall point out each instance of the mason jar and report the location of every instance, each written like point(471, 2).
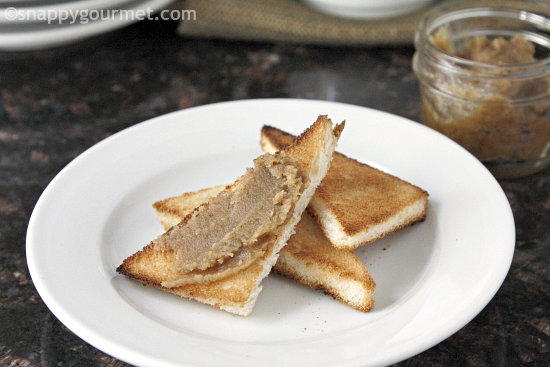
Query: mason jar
point(484, 75)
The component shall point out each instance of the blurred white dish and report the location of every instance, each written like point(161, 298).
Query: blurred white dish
point(367, 8)
point(432, 278)
point(37, 36)
point(6, 16)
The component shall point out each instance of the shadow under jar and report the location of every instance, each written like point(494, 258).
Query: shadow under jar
point(485, 82)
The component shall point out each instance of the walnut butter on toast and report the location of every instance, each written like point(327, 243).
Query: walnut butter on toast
point(356, 203)
point(220, 252)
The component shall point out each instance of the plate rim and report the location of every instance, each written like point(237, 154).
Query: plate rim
point(135, 356)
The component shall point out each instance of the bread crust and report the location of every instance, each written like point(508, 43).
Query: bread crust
point(143, 266)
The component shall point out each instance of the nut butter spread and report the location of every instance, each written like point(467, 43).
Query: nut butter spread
point(484, 118)
point(497, 51)
point(235, 228)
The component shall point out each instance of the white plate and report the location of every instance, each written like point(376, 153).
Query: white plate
point(50, 35)
point(432, 278)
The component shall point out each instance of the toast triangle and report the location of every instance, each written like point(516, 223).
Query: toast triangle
point(357, 204)
point(237, 293)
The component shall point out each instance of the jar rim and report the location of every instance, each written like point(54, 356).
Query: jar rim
point(444, 14)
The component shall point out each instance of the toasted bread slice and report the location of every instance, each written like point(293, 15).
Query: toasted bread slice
point(357, 204)
point(237, 293)
point(309, 258)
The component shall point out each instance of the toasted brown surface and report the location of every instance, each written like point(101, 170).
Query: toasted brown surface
point(304, 154)
point(357, 195)
point(237, 293)
point(309, 258)
point(152, 266)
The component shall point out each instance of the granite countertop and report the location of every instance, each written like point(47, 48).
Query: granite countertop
point(55, 104)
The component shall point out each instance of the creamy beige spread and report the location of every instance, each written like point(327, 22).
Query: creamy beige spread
point(490, 124)
point(500, 51)
point(235, 228)
point(496, 51)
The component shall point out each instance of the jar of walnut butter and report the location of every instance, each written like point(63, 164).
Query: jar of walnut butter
point(484, 75)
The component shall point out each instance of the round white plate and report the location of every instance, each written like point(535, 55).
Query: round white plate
point(432, 278)
point(41, 36)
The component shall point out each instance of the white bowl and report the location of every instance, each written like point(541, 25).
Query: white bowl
point(364, 9)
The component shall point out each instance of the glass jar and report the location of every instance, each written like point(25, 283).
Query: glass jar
point(484, 75)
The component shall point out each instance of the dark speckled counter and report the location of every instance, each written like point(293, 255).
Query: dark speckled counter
point(55, 104)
